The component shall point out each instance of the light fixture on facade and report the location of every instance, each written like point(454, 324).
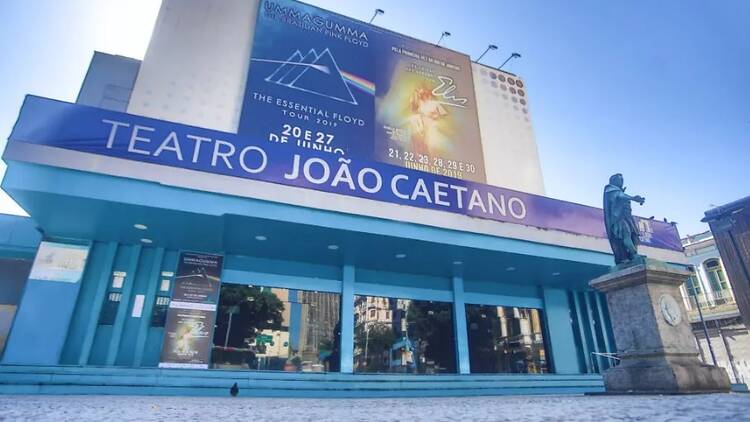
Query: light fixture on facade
point(333, 247)
point(140, 226)
point(400, 255)
point(555, 274)
point(489, 47)
point(458, 262)
point(377, 12)
point(147, 241)
point(260, 238)
point(512, 56)
point(445, 34)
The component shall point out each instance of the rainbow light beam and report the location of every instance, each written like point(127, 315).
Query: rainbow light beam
point(358, 82)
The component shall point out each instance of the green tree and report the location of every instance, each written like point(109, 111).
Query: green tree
point(431, 331)
point(377, 340)
point(255, 309)
point(484, 330)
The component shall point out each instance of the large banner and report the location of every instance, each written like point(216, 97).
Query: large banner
point(324, 82)
point(188, 333)
point(114, 134)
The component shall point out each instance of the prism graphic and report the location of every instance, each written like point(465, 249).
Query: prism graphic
point(316, 73)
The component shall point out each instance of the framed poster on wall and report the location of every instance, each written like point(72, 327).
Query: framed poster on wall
point(62, 262)
point(192, 311)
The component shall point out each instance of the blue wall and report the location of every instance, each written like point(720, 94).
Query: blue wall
point(13, 275)
point(41, 323)
point(19, 240)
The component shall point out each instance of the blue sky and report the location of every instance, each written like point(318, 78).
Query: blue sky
point(656, 90)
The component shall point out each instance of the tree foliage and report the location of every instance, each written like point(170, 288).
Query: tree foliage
point(255, 309)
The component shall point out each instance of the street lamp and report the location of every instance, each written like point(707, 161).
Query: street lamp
point(693, 293)
point(445, 34)
point(489, 47)
point(377, 12)
point(512, 56)
point(367, 327)
point(232, 310)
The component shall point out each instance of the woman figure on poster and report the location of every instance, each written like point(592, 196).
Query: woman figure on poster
point(425, 120)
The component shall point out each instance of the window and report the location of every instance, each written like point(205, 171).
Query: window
point(109, 308)
point(268, 328)
point(408, 336)
point(694, 291)
point(159, 312)
point(693, 286)
point(13, 276)
point(715, 275)
point(506, 339)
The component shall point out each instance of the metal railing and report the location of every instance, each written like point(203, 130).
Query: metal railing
point(611, 356)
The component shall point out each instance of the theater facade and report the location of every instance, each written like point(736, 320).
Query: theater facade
point(303, 204)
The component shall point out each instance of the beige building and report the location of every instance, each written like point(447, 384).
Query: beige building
point(710, 290)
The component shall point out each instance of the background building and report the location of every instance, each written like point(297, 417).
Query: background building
point(730, 225)
point(709, 288)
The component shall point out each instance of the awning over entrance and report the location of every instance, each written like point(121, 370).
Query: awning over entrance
point(73, 204)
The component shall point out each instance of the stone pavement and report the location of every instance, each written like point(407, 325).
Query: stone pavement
point(706, 408)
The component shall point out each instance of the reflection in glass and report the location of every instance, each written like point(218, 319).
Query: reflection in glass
point(403, 336)
point(13, 275)
point(265, 328)
point(505, 339)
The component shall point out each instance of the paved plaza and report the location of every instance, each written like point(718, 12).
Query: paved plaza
point(719, 407)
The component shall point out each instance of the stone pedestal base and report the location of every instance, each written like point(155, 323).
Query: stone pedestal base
point(653, 336)
point(660, 376)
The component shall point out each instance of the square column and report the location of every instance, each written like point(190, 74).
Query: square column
point(459, 326)
point(347, 320)
point(560, 332)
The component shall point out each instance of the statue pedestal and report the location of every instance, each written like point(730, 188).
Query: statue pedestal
point(653, 334)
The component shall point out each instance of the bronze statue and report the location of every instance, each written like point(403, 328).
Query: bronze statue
point(622, 230)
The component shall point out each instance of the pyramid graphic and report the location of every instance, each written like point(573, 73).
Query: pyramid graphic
point(316, 73)
point(285, 67)
point(297, 69)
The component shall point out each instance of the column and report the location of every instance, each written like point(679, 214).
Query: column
point(154, 278)
point(347, 320)
point(561, 340)
point(101, 289)
point(600, 308)
point(702, 276)
point(123, 308)
point(582, 329)
point(594, 337)
point(459, 326)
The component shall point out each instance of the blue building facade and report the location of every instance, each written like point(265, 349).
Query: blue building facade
point(317, 294)
point(58, 329)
